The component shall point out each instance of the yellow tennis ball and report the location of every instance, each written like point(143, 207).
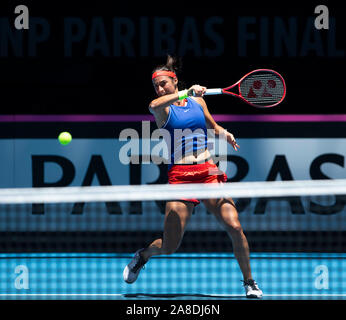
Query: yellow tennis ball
point(65, 138)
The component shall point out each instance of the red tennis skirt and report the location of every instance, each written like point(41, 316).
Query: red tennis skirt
point(195, 173)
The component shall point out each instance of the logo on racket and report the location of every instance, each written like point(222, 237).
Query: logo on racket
point(258, 85)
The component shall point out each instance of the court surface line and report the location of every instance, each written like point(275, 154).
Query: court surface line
point(218, 295)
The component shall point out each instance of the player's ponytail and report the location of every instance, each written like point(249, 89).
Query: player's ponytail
point(173, 64)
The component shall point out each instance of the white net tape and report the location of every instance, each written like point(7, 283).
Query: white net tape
point(172, 192)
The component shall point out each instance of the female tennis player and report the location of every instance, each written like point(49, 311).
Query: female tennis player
point(186, 109)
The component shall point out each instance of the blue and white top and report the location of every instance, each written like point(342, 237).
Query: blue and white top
point(187, 129)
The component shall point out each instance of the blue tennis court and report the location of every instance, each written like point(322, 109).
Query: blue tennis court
point(179, 276)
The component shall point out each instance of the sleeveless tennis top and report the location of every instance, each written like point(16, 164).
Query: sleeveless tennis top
point(187, 130)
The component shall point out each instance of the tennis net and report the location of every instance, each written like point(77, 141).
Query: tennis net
point(295, 230)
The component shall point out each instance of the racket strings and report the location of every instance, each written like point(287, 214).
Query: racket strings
point(262, 89)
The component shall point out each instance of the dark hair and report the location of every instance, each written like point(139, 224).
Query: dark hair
point(173, 64)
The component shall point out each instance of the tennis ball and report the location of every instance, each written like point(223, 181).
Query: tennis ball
point(65, 138)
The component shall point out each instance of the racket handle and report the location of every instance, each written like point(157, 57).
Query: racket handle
point(210, 92)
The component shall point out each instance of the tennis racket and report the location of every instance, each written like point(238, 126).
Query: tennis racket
point(261, 88)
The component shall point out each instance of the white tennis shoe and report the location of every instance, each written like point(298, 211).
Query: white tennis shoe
point(252, 290)
point(133, 269)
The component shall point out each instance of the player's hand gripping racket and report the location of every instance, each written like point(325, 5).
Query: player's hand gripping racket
point(261, 88)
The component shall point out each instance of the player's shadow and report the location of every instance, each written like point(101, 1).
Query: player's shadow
point(181, 296)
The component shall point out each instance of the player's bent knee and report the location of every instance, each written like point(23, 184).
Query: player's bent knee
point(235, 228)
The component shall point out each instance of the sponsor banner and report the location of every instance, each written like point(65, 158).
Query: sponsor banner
point(44, 162)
